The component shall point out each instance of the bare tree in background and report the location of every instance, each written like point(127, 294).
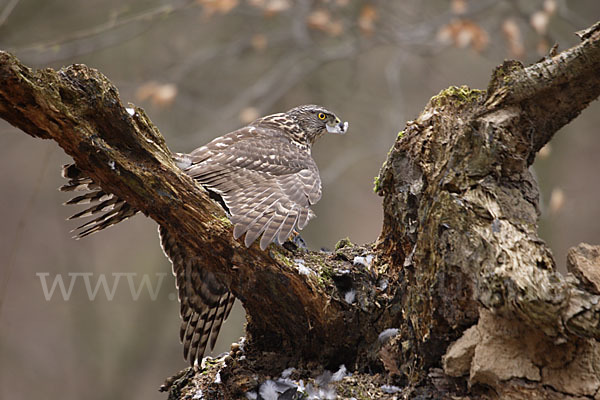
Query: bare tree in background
point(430, 270)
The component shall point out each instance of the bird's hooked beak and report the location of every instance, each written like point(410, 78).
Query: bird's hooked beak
point(338, 127)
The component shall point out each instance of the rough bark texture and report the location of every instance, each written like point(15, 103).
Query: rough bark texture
point(458, 270)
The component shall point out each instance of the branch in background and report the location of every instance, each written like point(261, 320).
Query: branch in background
point(7, 11)
point(110, 33)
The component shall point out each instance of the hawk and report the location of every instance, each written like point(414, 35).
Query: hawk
point(265, 178)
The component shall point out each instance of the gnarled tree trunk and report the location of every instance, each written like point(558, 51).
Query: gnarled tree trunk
point(459, 272)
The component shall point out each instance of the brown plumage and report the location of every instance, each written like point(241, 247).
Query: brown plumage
point(262, 174)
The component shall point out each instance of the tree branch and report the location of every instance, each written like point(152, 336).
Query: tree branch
point(561, 86)
point(461, 207)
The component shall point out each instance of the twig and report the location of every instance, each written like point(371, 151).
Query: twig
point(8, 10)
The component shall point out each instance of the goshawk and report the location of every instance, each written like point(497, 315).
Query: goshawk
point(262, 174)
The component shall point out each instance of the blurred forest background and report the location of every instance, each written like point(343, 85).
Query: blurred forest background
point(203, 68)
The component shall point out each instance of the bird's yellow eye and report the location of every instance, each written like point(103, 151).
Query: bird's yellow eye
point(322, 116)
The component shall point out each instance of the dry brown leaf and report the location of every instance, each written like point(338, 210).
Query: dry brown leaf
point(320, 20)
point(160, 95)
point(277, 6)
point(336, 28)
point(248, 115)
point(464, 33)
point(557, 200)
point(543, 47)
point(259, 42)
point(217, 6)
point(164, 95)
point(550, 7)
point(514, 41)
point(145, 91)
point(459, 6)
point(366, 20)
point(539, 21)
point(271, 7)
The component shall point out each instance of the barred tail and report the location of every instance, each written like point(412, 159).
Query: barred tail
point(106, 208)
point(205, 302)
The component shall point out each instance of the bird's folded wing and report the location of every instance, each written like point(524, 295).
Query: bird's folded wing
point(267, 183)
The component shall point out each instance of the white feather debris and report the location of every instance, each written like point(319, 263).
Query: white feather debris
point(303, 269)
point(339, 374)
point(284, 387)
point(383, 284)
point(111, 164)
point(130, 111)
point(218, 378)
point(350, 296)
point(199, 395)
point(364, 261)
point(390, 389)
point(387, 335)
point(321, 393)
point(287, 372)
point(324, 378)
point(268, 390)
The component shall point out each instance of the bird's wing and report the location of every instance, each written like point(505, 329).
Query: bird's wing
point(267, 182)
point(205, 302)
point(107, 209)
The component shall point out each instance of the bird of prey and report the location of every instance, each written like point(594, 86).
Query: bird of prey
point(265, 178)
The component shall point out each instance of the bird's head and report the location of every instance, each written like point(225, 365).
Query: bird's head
point(314, 121)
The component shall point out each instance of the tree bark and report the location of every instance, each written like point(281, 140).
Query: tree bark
point(458, 271)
